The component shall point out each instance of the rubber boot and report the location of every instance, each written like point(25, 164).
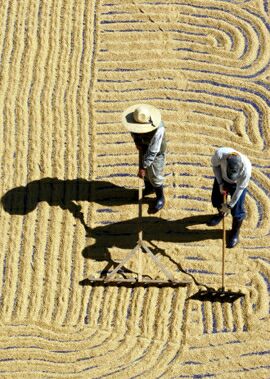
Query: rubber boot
point(215, 220)
point(234, 234)
point(160, 200)
point(148, 188)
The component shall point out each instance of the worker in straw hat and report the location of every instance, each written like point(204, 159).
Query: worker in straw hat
point(148, 132)
point(232, 172)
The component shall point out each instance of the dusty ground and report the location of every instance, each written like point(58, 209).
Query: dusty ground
point(68, 177)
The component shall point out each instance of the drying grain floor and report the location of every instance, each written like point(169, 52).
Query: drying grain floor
point(68, 180)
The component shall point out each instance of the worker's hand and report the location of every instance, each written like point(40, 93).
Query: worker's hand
point(225, 208)
point(141, 173)
point(222, 190)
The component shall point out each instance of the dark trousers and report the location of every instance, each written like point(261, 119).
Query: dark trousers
point(238, 211)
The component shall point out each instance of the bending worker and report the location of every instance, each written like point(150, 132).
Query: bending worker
point(148, 132)
point(232, 172)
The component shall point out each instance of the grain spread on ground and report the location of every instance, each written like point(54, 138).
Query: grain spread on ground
point(68, 183)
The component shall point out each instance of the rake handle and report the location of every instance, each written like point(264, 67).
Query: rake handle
point(140, 233)
point(140, 187)
point(223, 245)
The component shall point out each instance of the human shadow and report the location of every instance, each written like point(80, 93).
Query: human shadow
point(65, 193)
point(124, 235)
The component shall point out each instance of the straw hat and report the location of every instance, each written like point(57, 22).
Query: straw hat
point(141, 118)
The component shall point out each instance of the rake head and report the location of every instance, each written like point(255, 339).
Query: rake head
point(130, 283)
point(219, 295)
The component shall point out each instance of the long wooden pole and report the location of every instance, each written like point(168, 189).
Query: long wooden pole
point(140, 233)
point(223, 245)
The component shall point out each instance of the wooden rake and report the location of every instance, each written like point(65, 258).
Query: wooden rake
point(220, 295)
point(141, 246)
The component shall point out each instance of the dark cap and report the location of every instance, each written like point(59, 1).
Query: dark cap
point(234, 166)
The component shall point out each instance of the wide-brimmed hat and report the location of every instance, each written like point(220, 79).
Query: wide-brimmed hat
point(141, 118)
point(234, 166)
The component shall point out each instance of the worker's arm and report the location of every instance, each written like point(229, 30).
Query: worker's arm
point(154, 147)
point(216, 166)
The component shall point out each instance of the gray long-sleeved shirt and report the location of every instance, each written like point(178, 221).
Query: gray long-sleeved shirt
point(219, 164)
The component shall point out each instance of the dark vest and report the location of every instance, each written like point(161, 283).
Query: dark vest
point(143, 140)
